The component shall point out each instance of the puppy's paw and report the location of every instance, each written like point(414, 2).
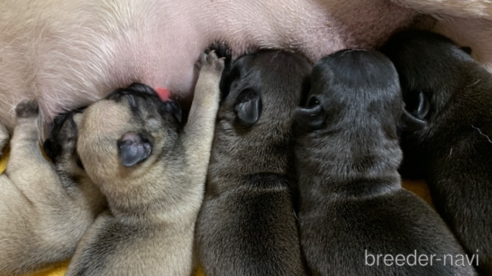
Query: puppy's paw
point(27, 109)
point(210, 62)
point(222, 50)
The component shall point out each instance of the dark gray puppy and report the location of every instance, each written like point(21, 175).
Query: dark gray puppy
point(450, 94)
point(355, 218)
point(247, 223)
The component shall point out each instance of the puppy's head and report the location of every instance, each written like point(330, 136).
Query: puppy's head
point(351, 91)
point(261, 90)
point(61, 146)
point(124, 137)
point(431, 70)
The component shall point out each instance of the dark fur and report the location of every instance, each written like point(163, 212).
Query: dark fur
point(347, 154)
point(454, 149)
point(247, 224)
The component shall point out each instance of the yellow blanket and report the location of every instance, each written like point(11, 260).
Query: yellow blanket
point(418, 187)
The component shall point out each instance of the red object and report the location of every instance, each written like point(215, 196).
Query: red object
point(163, 93)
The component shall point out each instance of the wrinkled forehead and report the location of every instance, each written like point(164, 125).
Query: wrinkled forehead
point(106, 116)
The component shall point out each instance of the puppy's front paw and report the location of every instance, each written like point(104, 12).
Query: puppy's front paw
point(210, 62)
point(27, 109)
point(222, 50)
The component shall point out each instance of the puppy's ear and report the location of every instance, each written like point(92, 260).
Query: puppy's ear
point(413, 117)
point(133, 148)
point(175, 110)
point(312, 116)
point(172, 108)
point(248, 107)
point(410, 123)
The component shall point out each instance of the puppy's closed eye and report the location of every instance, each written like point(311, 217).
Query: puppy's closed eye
point(133, 148)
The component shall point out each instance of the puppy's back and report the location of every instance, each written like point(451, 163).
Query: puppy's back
point(353, 208)
point(247, 224)
point(454, 150)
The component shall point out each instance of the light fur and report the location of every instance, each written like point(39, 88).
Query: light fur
point(153, 204)
point(43, 211)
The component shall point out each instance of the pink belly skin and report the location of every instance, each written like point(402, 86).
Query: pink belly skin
point(70, 53)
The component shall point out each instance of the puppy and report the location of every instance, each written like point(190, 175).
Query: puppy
point(247, 224)
point(153, 175)
point(44, 208)
point(449, 95)
point(352, 205)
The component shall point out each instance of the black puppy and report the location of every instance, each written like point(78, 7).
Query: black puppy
point(247, 223)
point(450, 95)
point(355, 218)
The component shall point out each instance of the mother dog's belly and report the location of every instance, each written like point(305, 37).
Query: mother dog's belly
point(67, 53)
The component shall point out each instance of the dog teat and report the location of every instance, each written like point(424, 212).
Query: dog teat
point(164, 94)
